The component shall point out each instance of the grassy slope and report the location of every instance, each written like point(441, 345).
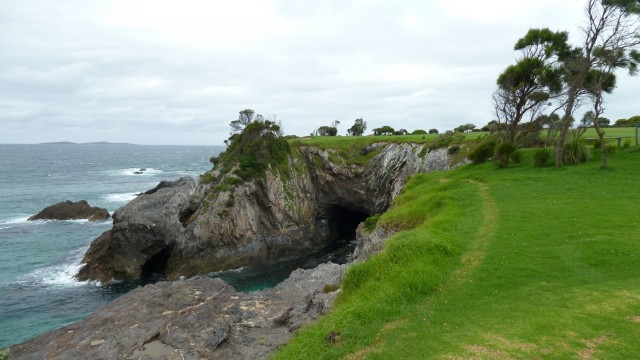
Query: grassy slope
point(512, 263)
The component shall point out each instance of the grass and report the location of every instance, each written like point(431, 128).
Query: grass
point(489, 263)
point(628, 132)
point(338, 142)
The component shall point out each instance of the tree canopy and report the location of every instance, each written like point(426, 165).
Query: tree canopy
point(358, 127)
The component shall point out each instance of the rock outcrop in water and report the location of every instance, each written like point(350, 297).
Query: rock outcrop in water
point(69, 210)
point(199, 318)
point(190, 227)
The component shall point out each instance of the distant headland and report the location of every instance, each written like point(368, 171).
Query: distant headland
point(87, 143)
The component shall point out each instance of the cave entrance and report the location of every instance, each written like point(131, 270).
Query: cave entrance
point(343, 223)
point(157, 264)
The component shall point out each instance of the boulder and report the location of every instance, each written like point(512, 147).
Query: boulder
point(69, 210)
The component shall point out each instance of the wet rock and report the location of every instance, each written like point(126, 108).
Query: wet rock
point(195, 318)
point(69, 210)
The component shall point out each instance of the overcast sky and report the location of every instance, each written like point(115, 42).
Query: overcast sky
point(177, 72)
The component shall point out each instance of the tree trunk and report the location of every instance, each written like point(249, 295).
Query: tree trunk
point(564, 126)
point(603, 150)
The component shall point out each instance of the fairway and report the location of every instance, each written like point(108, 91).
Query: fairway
point(497, 264)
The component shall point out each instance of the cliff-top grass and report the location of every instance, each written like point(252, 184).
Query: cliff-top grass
point(338, 142)
point(489, 263)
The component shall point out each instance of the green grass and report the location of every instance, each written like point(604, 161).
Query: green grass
point(628, 132)
point(489, 263)
point(337, 142)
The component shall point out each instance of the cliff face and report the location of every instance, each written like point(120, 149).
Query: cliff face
point(192, 226)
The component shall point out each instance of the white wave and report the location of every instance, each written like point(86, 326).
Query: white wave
point(140, 172)
point(119, 197)
point(61, 275)
point(15, 220)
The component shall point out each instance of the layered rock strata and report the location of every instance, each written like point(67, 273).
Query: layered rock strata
point(190, 227)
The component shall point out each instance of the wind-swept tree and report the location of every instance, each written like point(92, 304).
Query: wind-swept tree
point(610, 36)
point(526, 87)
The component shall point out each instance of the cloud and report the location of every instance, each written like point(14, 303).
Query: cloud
point(167, 72)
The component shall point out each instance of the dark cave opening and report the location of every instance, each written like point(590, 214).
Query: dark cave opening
point(157, 264)
point(343, 222)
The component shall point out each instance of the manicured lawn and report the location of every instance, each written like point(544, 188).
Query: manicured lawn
point(497, 264)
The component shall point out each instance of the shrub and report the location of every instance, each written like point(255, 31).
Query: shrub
point(371, 222)
point(574, 152)
point(418, 132)
point(483, 151)
point(516, 157)
point(541, 157)
point(453, 149)
point(597, 144)
point(626, 144)
point(502, 154)
point(206, 178)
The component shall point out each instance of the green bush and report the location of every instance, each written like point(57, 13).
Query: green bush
point(371, 222)
point(574, 152)
point(503, 154)
point(483, 151)
point(4, 354)
point(259, 145)
point(454, 149)
point(206, 178)
point(516, 157)
point(541, 157)
point(626, 144)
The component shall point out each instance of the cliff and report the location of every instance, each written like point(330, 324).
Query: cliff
point(219, 222)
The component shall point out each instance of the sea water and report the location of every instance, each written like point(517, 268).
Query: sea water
point(38, 259)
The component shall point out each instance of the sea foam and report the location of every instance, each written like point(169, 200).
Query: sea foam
point(119, 197)
point(59, 275)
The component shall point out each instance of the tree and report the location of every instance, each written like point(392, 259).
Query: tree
point(465, 128)
point(419, 132)
point(551, 123)
point(327, 131)
point(610, 36)
point(384, 130)
point(401, 132)
point(358, 128)
point(244, 119)
point(604, 122)
point(433, 131)
point(526, 87)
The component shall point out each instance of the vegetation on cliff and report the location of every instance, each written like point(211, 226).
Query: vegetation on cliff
point(255, 145)
point(521, 262)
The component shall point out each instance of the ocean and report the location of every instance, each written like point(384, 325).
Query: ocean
point(38, 259)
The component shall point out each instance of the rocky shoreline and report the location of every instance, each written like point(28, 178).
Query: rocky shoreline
point(198, 318)
point(201, 317)
point(189, 227)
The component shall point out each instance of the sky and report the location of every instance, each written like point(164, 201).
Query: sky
point(177, 72)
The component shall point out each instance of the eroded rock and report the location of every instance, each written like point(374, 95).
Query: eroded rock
point(185, 228)
point(195, 318)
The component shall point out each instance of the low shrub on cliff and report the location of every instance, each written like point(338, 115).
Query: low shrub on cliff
point(258, 146)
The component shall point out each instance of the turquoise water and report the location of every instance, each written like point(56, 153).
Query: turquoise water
point(38, 259)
